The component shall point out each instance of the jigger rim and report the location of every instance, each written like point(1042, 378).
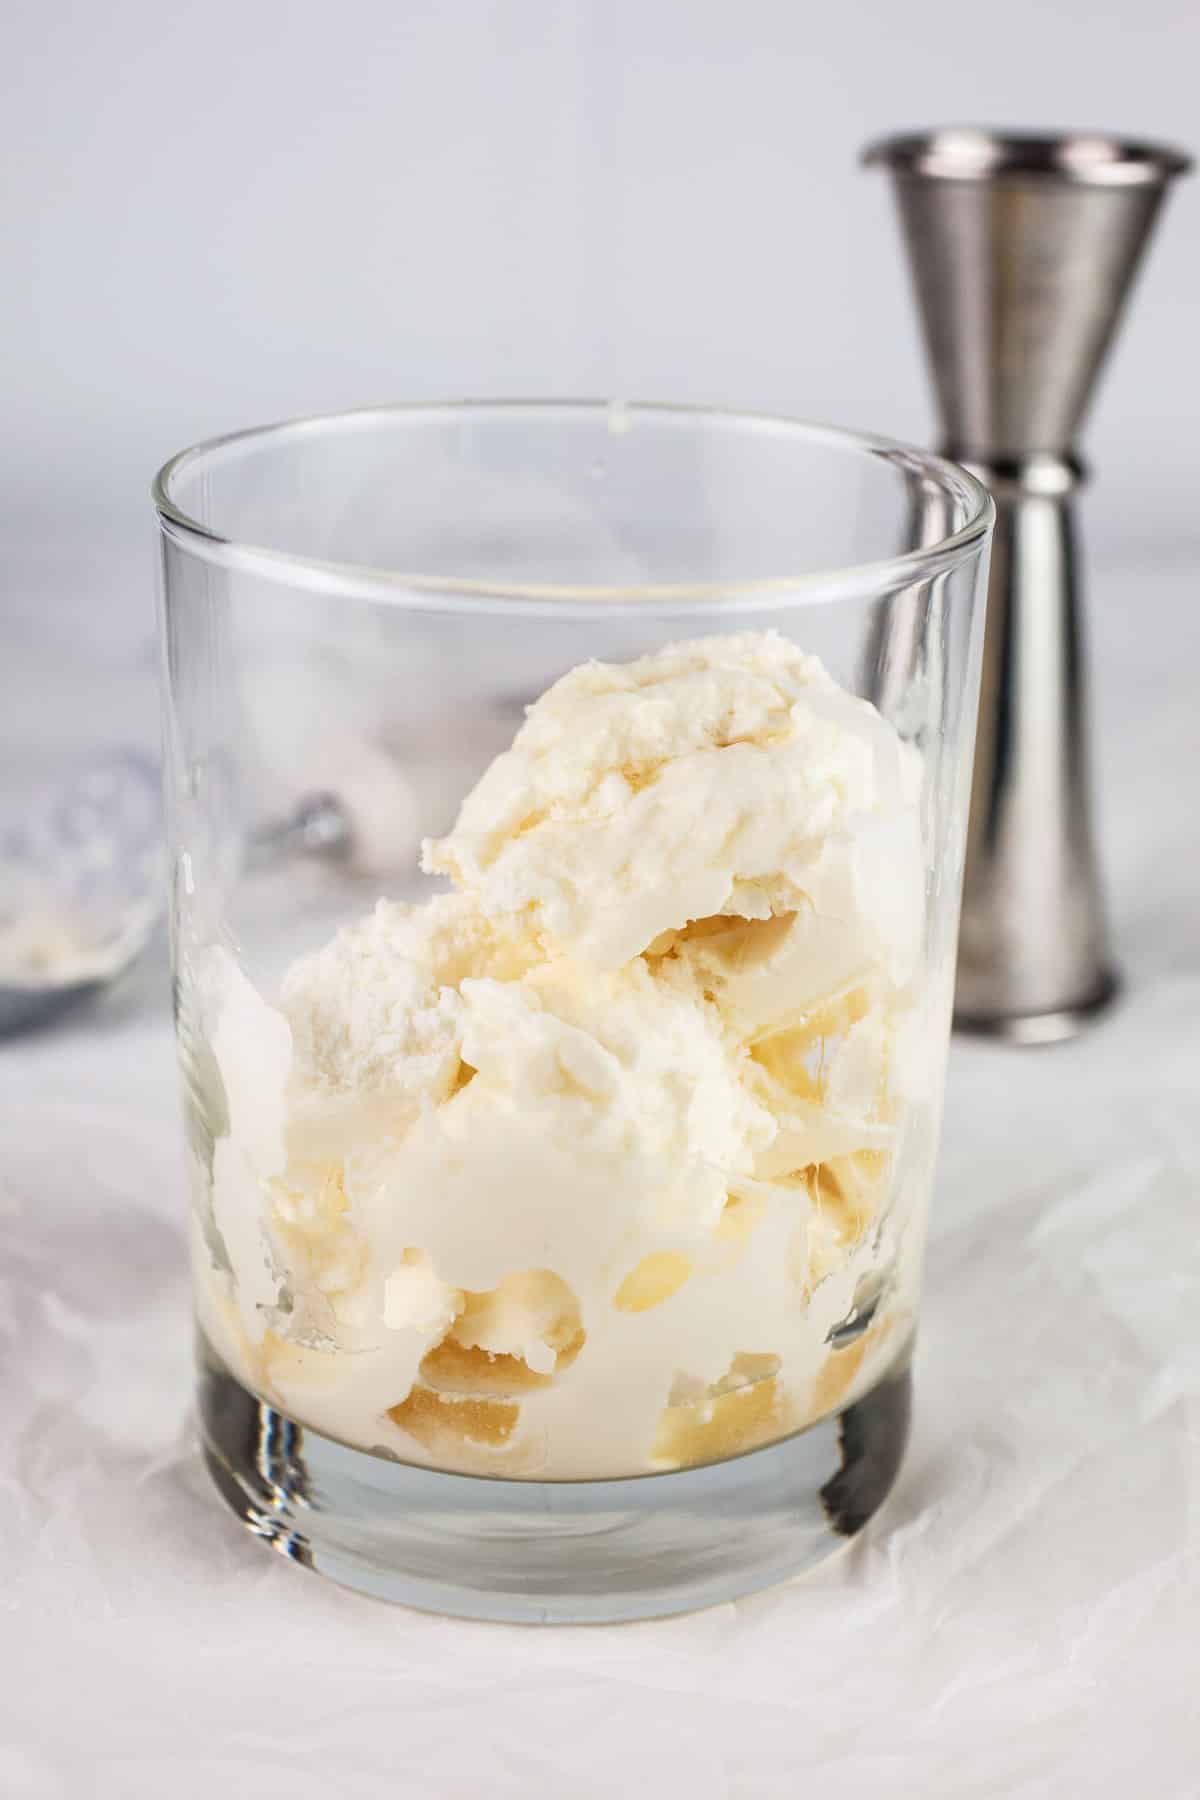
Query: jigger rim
point(977, 153)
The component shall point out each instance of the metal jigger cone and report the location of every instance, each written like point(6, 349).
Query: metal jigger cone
point(1023, 250)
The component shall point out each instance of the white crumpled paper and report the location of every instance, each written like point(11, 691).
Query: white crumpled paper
point(1022, 1619)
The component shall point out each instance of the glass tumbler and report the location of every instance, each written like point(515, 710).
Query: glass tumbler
point(567, 806)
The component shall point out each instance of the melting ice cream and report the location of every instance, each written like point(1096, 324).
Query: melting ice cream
point(607, 1160)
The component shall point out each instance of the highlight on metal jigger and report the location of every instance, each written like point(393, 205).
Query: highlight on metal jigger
point(1023, 250)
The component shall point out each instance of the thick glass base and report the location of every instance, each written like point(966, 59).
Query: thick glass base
point(559, 1552)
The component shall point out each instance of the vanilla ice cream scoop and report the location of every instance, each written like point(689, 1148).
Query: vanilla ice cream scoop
point(725, 775)
point(584, 1168)
point(377, 1015)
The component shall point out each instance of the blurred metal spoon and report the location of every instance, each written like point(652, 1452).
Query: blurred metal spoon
point(80, 889)
point(81, 883)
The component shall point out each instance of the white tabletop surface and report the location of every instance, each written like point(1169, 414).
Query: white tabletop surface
point(1020, 1620)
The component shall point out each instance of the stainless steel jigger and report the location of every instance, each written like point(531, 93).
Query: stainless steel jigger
point(1023, 250)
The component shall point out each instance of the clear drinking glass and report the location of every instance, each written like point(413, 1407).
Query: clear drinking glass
point(558, 1189)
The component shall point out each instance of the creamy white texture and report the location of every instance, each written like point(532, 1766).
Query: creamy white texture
point(576, 1170)
point(727, 775)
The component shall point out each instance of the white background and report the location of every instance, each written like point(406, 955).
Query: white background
point(223, 214)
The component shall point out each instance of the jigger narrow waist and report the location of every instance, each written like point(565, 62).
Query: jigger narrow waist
point(1042, 473)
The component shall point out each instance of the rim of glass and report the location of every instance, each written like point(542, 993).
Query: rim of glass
point(415, 589)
